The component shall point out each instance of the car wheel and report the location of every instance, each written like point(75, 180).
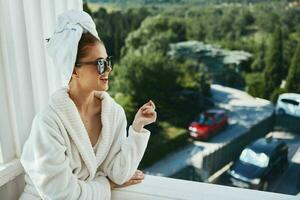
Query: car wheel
point(281, 111)
point(265, 186)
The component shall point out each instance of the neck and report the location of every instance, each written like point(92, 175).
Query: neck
point(85, 101)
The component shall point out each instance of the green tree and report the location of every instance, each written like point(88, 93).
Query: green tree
point(243, 20)
point(87, 9)
point(148, 76)
point(274, 63)
point(147, 72)
point(113, 27)
point(259, 63)
point(267, 17)
point(255, 84)
point(293, 79)
point(154, 35)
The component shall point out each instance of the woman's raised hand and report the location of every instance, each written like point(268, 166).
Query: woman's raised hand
point(144, 116)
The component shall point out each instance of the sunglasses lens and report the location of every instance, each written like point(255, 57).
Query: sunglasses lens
point(104, 64)
point(101, 66)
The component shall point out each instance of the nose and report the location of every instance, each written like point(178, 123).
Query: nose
point(108, 69)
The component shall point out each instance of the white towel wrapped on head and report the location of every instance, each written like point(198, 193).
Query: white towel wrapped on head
point(62, 46)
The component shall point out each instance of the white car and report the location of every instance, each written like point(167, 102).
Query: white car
point(288, 103)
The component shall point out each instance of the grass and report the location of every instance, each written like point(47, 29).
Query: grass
point(167, 140)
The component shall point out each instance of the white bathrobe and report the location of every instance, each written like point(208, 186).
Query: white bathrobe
point(60, 162)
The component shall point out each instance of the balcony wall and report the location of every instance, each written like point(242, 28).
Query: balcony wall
point(161, 188)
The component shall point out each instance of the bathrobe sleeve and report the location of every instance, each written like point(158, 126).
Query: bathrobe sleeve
point(126, 152)
point(45, 162)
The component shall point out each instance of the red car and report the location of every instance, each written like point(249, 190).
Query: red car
point(208, 123)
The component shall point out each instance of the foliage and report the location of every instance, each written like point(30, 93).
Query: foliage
point(114, 27)
point(276, 94)
point(139, 38)
point(87, 9)
point(192, 2)
point(155, 35)
point(147, 71)
point(259, 62)
point(293, 79)
point(235, 26)
point(255, 84)
point(274, 64)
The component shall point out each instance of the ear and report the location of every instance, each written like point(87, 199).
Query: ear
point(75, 73)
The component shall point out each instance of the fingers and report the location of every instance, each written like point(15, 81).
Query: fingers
point(138, 175)
point(149, 115)
point(146, 107)
point(149, 103)
point(131, 182)
point(98, 94)
point(148, 111)
point(145, 115)
point(152, 104)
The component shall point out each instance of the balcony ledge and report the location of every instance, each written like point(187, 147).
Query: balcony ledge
point(9, 171)
point(162, 188)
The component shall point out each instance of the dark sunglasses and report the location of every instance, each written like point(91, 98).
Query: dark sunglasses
point(101, 63)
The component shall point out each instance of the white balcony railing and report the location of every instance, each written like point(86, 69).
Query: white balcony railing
point(161, 188)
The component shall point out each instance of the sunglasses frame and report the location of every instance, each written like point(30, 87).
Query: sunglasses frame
point(102, 64)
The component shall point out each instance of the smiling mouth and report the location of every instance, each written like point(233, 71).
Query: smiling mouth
point(104, 79)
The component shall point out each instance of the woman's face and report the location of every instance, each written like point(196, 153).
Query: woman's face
point(87, 75)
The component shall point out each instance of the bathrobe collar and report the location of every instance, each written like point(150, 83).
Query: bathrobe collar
point(68, 113)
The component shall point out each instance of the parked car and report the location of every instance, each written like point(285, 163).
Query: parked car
point(258, 163)
point(288, 103)
point(298, 179)
point(208, 123)
point(297, 175)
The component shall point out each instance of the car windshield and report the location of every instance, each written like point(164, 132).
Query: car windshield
point(254, 158)
point(204, 119)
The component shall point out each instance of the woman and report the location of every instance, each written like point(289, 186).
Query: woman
point(77, 148)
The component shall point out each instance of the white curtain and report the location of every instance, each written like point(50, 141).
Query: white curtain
point(27, 77)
